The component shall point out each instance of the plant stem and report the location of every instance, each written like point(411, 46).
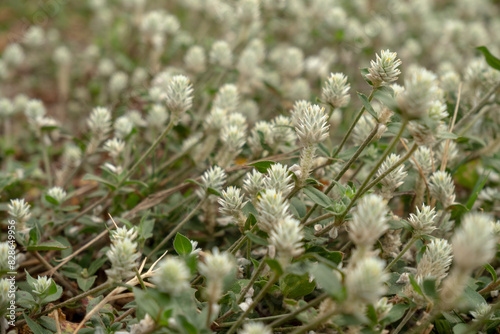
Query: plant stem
point(178, 227)
point(360, 192)
point(46, 162)
point(257, 299)
point(405, 249)
point(403, 322)
point(148, 151)
point(292, 315)
point(254, 277)
point(358, 116)
point(315, 323)
point(344, 169)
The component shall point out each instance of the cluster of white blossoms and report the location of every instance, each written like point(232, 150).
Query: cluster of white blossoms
point(123, 254)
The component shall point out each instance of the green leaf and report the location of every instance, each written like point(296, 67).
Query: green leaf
point(324, 149)
point(213, 191)
point(492, 271)
point(46, 246)
point(48, 323)
point(275, 266)
point(371, 313)
point(142, 184)
point(318, 197)
point(35, 328)
point(367, 105)
point(90, 177)
point(364, 72)
point(262, 166)
point(31, 281)
point(447, 135)
point(415, 285)
point(194, 182)
point(294, 286)
point(298, 206)
point(182, 245)
point(396, 313)
point(328, 281)
point(51, 200)
point(96, 265)
point(85, 283)
point(477, 188)
point(256, 239)
point(490, 59)
point(54, 296)
point(473, 297)
point(430, 290)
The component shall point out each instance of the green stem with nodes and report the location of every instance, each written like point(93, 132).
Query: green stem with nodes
point(257, 299)
point(346, 167)
point(254, 277)
point(315, 323)
point(339, 220)
point(351, 128)
point(403, 322)
point(149, 150)
point(292, 315)
point(405, 249)
point(46, 163)
point(178, 227)
point(476, 108)
point(139, 278)
point(70, 301)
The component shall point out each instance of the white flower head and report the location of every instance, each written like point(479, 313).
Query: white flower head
point(286, 236)
point(272, 207)
point(384, 69)
point(423, 221)
point(279, 178)
point(172, 276)
point(255, 328)
point(19, 209)
point(58, 194)
point(365, 282)
point(312, 127)
point(41, 285)
point(99, 121)
point(336, 90)
point(179, 95)
point(122, 255)
point(442, 188)
point(369, 221)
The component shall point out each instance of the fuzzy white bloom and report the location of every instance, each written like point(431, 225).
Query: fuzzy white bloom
point(58, 194)
point(281, 133)
point(423, 222)
point(261, 129)
point(99, 121)
point(122, 255)
point(72, 155)
point(279, 179)
point(41, 285)
point(291, 62)
point(195, 59)
point(62, 55)
point(395, 178)
point(4, 257)
point(106, 67)
point(234, 138)
point(481, 311)
point(298, 111)
point(172, 276)
point(424, 158)
point(216, 265)
point(362, 129)
point(255, 328)
point(420, 92)
point(286, 236)
point(179, 95)
point(474, 242)
point(271, 208)
point(221, 54)
point(336, 90)
point(232, 202)
point(213, 178)
point(227, 98)
point(114, 147)
point(157, 116)
point(35, 109)
point(19, 210)
point(122, 233)
point(118, 82)
point(365, 282)
point(13, 54)
point(383, 307)
point(442, 188)
point(384, 69)
point(146, 325)
point(253, 183)
point(369, 221)
point(34, 36)
point(436, 260)
point(312, 127)
point(123, 127)
point(6, 108)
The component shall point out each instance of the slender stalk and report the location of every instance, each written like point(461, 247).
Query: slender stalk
point(348, 133)
point(139, 278)
point(162, 135)
point(257, 299)
point(238, 243)
point(403, 251)
point(344, 169)
point(272, 317)
point(360, 192)
point(46, 163)
point(476, 108)
point(254, 277)
point(403, 322)
point(315, 323)
point(178, 227)
point(292, 315)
